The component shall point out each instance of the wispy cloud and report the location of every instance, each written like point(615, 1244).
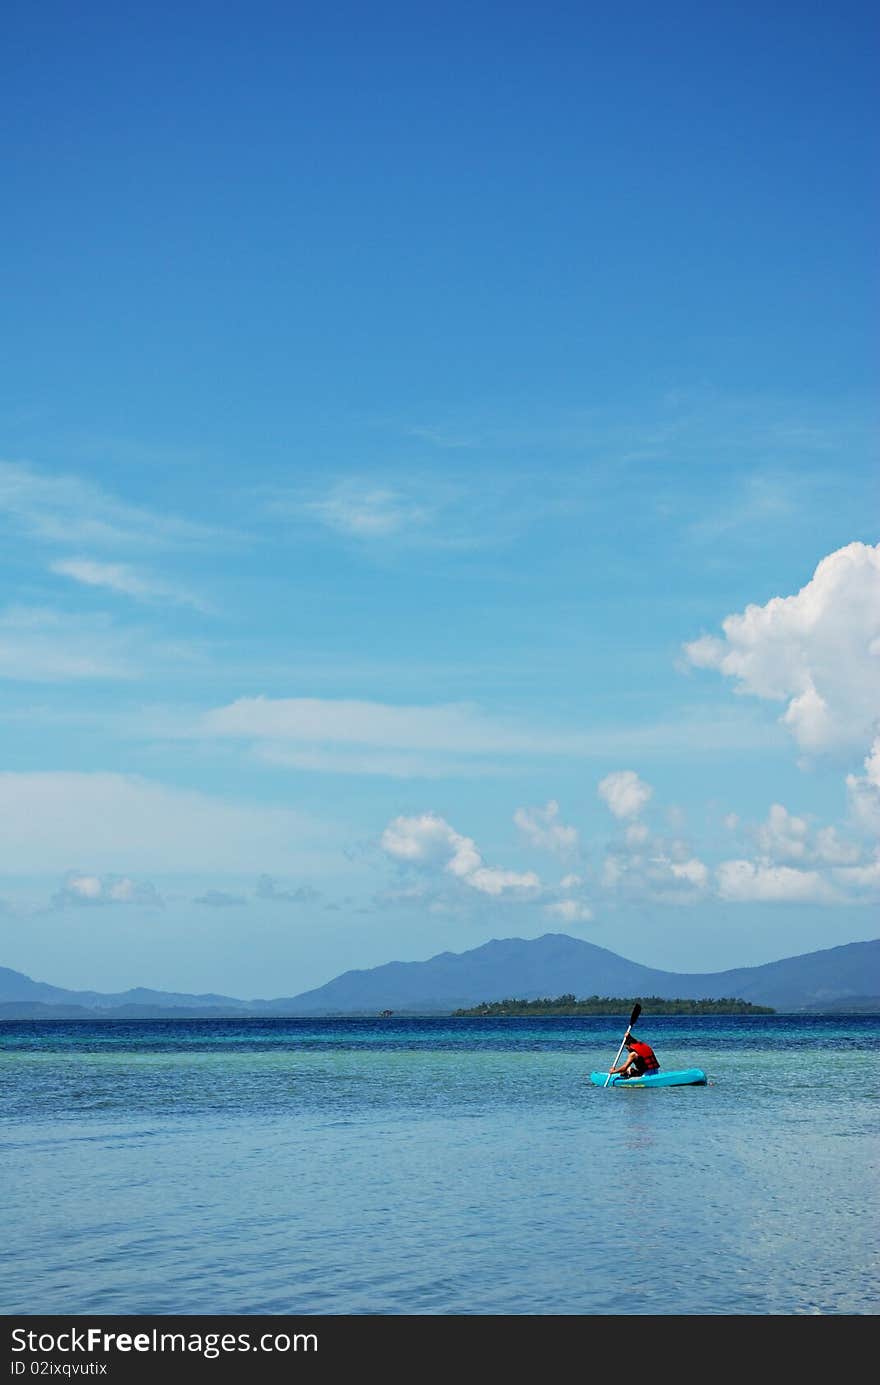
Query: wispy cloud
point(127, 823)
point(447, 727)
point(397, 514)
point(68, 509)
point(45, 646)
point(405, 741)
point(389, 764)
point(365, 512)
point(125, 581)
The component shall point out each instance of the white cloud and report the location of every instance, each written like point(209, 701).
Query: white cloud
point(693, 871)
point(834, 850)
point(353, 736)
point(783, 836)
point(541, 827)
point(664, 873)
point(65, 509)
point(614, 868)
point(406, 741)
point(817, 651)
point(126, 823)
point(83, 887)
point(391, 764)
point(636, 834)
point(45, 646)
point(864, 791)
point(366, 512)
point(429, 841)
point(569, 910)
point(860, 878)
point(491, 880)
point(570, 882)
point(625, 793)
point(748, 881)
point(310, 721)
point(124, 580)
point(645, 866)
point(83, 890)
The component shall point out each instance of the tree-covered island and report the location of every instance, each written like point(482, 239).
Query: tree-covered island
point(567, 1005)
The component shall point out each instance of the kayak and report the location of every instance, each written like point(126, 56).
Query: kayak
point(683, 1077)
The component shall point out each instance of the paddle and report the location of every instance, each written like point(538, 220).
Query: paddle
point(637, 1010)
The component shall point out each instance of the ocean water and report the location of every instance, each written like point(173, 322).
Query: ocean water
point(416, 1166)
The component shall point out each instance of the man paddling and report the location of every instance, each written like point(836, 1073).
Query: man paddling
point(642, 1059)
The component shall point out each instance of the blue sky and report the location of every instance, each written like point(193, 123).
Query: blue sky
point(438, 486)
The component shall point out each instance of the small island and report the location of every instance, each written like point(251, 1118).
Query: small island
point(567, 1005)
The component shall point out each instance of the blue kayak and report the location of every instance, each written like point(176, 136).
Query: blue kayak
point(684, 1077)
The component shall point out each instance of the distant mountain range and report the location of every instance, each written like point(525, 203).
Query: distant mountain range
point(835, 979)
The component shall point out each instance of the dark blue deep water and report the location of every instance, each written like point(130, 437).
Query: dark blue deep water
point(416, 1166)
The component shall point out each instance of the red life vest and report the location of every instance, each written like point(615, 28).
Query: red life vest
point(645, 1051)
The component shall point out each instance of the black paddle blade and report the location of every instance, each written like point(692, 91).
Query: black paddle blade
point(637, 1010)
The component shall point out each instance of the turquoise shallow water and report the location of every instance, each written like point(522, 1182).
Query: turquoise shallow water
point(438, 1167)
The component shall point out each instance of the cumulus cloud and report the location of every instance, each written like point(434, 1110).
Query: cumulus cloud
point(832, 849)
point(783, 836)
point(693, 871)
point(860, 879)
point(428, 841)
point(625, 793)
point(794, 861)
point(492, 880)
point(750, 881)
point(864, 791)
point(569, 910)
point(82, 890)
point(541, 827)
point(817, 651)
point(664, 872)
point(636, 834)
point(644, 865)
